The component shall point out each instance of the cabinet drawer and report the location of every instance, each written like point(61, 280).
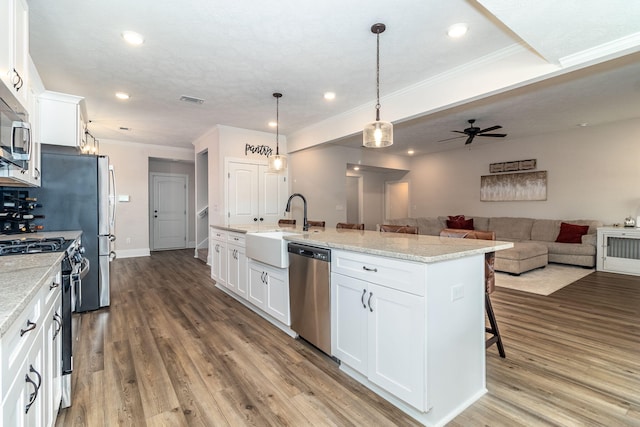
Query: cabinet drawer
point(51, 290)
point(16, 345)
point(218, 234)
point(237, 239)
point(404, 276)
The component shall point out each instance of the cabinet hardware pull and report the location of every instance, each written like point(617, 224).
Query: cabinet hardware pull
point(30, 327)
point(364, 291)
point(53, 285)
point(369, 302)
point(34, 395)
point(365, 268)
point(58, 320)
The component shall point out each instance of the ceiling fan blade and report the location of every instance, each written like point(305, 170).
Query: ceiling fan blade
point(490, 129)
point(469, 139)
point(449, 139)
point(458, 131)
point(495, 135)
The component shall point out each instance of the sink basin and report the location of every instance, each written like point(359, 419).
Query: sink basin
point(269, 247)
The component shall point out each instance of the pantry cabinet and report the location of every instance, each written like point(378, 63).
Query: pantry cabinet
point(254, 194)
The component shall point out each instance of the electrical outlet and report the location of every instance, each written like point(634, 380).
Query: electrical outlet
point(457, 292)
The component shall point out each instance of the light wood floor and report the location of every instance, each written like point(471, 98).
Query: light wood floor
point(172, 350)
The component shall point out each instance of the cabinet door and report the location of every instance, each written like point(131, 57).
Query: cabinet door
point(272, 193)
point(219, 262)
point(237, 270)
point(349, 321)
point(52, 393)
point(396, 341)
point(277, 303)
point(21, 52)
point(242, 193)
point(257, 294)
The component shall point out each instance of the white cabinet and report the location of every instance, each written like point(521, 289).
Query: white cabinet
point(218, 251)
point(254, 194)
point(14, 47)
point(31, 353)
point(378, 330)
point(237, 264)
point(618, 250)
point(269, 290)
point(62, 119)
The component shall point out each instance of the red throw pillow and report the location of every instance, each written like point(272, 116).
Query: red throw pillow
point(459, 222)
point(571, 233)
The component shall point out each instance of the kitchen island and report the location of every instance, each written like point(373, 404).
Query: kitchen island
point(407, 312)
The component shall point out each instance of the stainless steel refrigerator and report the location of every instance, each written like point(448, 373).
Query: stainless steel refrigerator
point(78, 193)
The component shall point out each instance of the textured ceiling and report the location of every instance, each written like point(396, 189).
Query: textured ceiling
point(234, 54)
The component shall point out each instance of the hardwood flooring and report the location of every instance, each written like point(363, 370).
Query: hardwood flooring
point(172, 350)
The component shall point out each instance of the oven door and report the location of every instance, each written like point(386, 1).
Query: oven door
point(80, 270)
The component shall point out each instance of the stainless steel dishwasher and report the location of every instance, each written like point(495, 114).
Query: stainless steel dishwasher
point(310, 294)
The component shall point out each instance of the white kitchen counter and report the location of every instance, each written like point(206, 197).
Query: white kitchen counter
point(21, 276)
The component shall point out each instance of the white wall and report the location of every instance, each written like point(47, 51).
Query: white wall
point(131, 163)
point(319, 173)
point(593, 173)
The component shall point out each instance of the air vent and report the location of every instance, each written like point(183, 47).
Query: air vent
point(191, 99)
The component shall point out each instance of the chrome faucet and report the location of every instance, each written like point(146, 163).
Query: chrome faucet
point(305, 226)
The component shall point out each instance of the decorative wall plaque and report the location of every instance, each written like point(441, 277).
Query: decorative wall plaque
point(516, 165)
point(263, 150)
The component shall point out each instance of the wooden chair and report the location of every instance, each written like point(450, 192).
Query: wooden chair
point(349, 226)
point(489, 281)
point(316, 224)
point(398, 229)
point(289, 222)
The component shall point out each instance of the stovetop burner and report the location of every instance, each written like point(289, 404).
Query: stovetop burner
point(32, 245)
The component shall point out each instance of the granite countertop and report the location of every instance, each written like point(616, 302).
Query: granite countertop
point(254, 228)
point(22, 276)
point(410, 247)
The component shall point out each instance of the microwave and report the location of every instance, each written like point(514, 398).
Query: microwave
point(15, 131)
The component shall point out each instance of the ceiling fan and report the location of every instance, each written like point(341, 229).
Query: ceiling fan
point(473, 131)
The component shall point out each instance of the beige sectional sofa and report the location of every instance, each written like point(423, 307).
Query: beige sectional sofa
point(534, 240)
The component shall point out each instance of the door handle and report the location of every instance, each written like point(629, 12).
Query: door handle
point(369, 302)
point(364, 291)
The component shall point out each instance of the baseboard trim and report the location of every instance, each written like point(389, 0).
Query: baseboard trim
point(132, 253)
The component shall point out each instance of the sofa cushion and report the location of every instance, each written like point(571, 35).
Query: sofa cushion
point(480, 223)
point(511, 228)
point(570, 248)
point(523, 250)
point(411, 222)
point(571, 233)
point(430, 226)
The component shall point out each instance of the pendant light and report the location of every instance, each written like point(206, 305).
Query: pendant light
point(277, 162)
point(379, 133)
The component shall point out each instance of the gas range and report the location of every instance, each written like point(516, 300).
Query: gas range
point(29, 245)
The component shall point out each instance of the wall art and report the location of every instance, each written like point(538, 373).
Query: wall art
point(523, 186)
point(516, 165)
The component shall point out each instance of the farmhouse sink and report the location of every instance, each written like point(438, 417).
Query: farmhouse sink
point(269, 247)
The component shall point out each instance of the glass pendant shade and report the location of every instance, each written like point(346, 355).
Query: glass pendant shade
point(377, 134)
point(277, 162)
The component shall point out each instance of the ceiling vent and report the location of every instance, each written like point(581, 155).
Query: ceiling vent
point(191, 99)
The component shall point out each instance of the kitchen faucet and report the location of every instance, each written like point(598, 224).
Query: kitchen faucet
point(305, 226)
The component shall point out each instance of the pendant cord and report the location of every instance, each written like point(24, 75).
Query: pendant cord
point(277, 125)
point(378, 75)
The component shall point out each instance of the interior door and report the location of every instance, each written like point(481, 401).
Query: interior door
point(242, 193)
point(169, 211)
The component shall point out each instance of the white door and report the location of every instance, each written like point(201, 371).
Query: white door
point(277, 302)
point(257, 294)
point(243, 193)
point(169, 213)
point(272, 191)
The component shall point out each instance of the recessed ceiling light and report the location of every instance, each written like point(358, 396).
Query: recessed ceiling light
point(410, 152)
point(356, 168)
point(329, 96)
point(133, 38)
point(583, 125)
point(457, 30)
point(122, 95)
point(273, 124)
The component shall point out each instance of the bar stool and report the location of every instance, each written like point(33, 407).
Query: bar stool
point(319, 224)
point(349, 226)
point(289, 222)
point(407, 229)
point(489, 281)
